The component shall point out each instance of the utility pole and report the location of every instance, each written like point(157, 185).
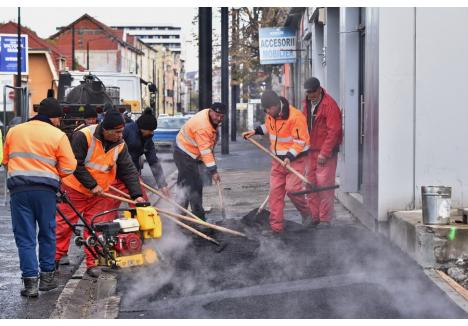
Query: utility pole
point(234, 81)
point(73, 47)
point(18, 68)
point(225, 78)
point(205, 57)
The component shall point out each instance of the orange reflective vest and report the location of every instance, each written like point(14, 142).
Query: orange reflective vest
point(37, 154)
point(288, 137)
point(197, 138)
point(100, 164)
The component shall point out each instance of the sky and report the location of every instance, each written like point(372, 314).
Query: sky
point(44, 21)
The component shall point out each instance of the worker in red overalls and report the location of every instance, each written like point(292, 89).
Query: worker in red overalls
point(289, 140)
point(324, 124)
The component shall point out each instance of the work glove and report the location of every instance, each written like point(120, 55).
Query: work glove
point(248, 134)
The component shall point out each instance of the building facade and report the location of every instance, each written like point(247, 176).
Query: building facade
point(166, 36)
point(398, 76)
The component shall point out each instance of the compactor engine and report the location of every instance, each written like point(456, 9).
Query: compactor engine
point(126, 239)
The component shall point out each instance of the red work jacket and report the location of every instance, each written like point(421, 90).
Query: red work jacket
point(326, 133)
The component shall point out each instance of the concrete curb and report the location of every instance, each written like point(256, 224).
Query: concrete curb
point(447, 288)
point(106, 303)
point(66, 296)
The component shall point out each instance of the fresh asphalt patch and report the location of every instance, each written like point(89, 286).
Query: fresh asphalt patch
point(341, 271)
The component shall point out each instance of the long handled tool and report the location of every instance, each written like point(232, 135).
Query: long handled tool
point(212, 226)
point(173, 202)
point(311, 187)
point(129, 201)
point(290, 169)
point(201, 222)
point(221, 200)
point(262, 206)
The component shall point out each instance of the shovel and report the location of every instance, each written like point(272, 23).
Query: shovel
point(310, 187)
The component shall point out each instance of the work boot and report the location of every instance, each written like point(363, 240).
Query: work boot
point(47, 281)
point(93, 271)
point(30, 287)
point(65, 260)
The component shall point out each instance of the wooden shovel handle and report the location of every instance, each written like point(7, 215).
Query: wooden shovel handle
point(120, 192)
point(160, 194)
point(125, 200)
point(290, 169)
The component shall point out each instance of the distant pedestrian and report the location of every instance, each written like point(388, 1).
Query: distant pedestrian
point(195, 143)
point(37, 156)
point(289, 140)
point(324, 123)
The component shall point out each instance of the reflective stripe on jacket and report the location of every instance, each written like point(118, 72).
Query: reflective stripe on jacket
point(99, 163)
point(37, 154)
point(288, 137)
point(197, 138)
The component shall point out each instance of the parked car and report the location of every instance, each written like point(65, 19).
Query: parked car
point(168, 127)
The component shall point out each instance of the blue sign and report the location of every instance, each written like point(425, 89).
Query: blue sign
point(9, 52)
point(277, 45)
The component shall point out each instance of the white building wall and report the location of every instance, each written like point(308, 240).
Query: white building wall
point(99, 60)
point(441, 100)
point(396, 110)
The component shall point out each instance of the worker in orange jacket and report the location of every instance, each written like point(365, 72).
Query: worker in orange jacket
point(37, 155)
point(289, 140)
point(102, 156)
point(195, 143)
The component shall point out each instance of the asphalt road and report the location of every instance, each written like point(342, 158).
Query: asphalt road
point(344, 271)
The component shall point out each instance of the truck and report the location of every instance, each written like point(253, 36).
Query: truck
point(77, 89)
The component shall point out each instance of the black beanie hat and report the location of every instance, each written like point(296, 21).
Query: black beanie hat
point(89, 112)
point(312, 84)
point(147, 121)
point(50, 107)
point(113, 120)
point(270, 98)
point(218, 107)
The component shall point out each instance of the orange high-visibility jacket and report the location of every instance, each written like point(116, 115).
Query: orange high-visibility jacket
point(101, 165)
point(37, 154)
point(197, 138)
point(288, 137)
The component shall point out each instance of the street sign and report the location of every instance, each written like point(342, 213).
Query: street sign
point(277, 45)
point(9, 52)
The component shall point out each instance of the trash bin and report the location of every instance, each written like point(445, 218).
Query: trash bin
point(436, 204)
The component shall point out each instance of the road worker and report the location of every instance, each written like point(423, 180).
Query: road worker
point(101, 156)
point(195, 143)
point(139, 139)
point(289, 140)
point(324, 124)
point(37, 155)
